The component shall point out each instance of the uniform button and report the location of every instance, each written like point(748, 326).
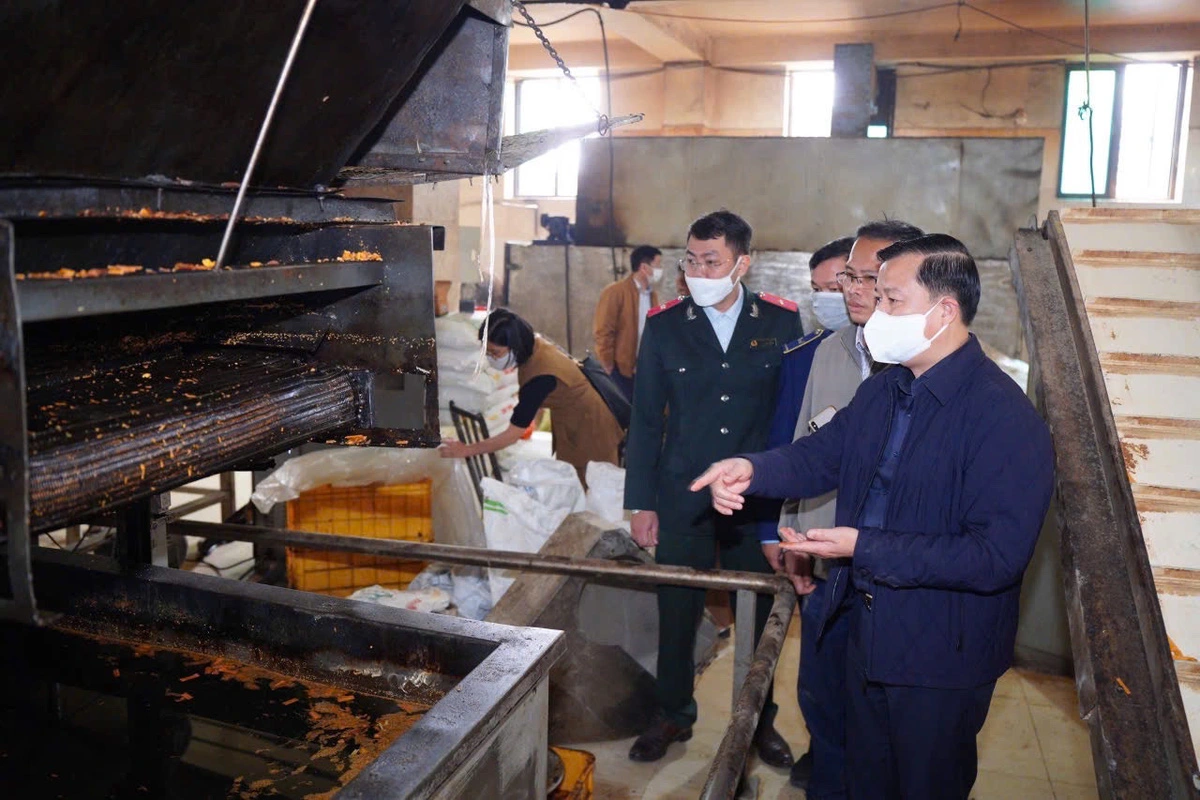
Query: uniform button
point(724, 398)
point(724, 430)
point(725, 365)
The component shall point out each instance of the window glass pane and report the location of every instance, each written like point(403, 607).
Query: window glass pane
point(536, 178)
point(810, 103)
point(1073, 172)
point(554, 103)
point(1149, 120)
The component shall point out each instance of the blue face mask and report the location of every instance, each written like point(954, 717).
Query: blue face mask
point(830, 310)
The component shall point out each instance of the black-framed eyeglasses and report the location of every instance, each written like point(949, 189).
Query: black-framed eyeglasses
point(846, 279)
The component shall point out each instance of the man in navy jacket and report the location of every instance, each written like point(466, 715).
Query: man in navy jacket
point(944, 473)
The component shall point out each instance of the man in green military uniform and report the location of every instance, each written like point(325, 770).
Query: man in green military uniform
point(707, 372)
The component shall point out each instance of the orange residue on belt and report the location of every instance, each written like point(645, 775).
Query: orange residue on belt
point(360, 255)
point(1134, 453)
point(191, 677)
point(1124, 688)
point(1176, 653)
point(357, 438)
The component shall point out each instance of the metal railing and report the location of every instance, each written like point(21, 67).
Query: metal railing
point(754, 668)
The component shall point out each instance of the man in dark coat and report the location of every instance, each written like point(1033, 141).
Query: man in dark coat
point(706, 385)
point(944, 473)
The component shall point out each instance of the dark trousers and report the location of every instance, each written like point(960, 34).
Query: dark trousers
point(623, 383)
point(821, 687)
point(679, 611)
point(908, 742)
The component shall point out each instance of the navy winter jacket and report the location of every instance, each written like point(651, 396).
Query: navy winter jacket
point(971, 489)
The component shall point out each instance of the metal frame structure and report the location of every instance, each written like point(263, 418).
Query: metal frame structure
point(754, 667)
point(1128, 692)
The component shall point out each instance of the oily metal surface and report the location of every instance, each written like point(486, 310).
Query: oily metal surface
point(112, 435)
point(47, 199)
point(138, 88)
point(360, 646)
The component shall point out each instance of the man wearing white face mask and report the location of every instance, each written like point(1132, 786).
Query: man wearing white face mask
point(706, 385)
point(838, 366)
point(621, 315)
point(944, 473)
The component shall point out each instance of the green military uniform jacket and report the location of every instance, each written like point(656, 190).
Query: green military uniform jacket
point(694, 404)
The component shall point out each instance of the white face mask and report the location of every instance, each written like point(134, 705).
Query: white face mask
point(501, 364)
point(710, 291)
point(655, 275)
point(895, 339)
point(830, 310)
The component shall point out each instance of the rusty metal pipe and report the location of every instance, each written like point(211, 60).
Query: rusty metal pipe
point(730, 762)
point(482, 557)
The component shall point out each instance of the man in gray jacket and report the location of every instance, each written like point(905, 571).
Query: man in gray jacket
point(840, 364)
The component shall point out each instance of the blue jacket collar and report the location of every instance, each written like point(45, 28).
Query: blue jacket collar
point(945, 378)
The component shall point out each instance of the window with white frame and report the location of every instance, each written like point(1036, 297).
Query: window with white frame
point(1135, 138)
point(541, 103)
point(809, 99)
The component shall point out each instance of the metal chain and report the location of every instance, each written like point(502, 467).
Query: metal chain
point(562, 65)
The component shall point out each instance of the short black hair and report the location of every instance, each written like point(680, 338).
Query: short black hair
point(947, 268)
point(509, 330)
point(643, 255)
point(889, 230)
point(736, 230)
point(838, 248)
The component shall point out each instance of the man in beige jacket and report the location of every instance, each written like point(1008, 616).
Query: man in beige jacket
point(621, 315)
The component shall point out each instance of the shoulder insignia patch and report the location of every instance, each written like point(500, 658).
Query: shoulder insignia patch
point(778, 301)
point(808, 339)
point(661, 308)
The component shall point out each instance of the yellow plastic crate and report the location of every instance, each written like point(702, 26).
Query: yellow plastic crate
point(401, 511)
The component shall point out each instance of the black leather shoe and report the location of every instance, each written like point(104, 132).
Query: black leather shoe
point(654, 741)
point(802, 771)
point(772, 748)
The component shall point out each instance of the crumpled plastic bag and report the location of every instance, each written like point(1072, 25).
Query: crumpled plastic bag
point(468, 586)
point(455, 518)
point(427, 600)
point(606, 491)
point(513, 520)
point(553, 483)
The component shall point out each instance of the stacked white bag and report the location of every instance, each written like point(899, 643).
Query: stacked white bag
point(485, 391)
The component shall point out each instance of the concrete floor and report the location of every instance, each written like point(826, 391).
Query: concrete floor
point(1033, 746)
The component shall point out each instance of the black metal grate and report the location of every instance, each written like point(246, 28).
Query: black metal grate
point(472, 428)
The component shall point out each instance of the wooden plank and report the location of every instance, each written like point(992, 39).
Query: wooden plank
point(1136, 258)
point(1172, 216)
point(1150, 364)
point(1170, 580)
point(1158, 428)
point(1132, 307)
point(1165, 498)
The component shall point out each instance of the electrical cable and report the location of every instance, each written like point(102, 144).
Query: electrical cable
point(883, 15)
point(1047, 36)
point(1087, 100)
